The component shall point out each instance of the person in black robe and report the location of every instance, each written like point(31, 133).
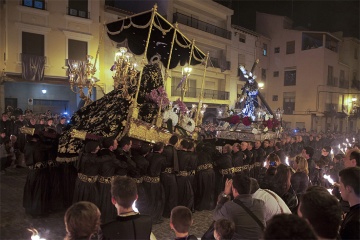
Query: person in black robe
point(129, 224)
point(110, 167)
point(88, 169)
point(192, 168)
point(153, 188)
point(35, 198)
point(224, 169)
point(205, 178)
point(259, 158)
point(142, 165)
point(168, 178)
point(237, 158)
point(185, 191)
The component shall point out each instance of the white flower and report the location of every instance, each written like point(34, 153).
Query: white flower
point(255, 131)
point(266, 129)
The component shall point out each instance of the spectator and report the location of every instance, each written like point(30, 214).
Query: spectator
point(323, 212)
point(350, 191)
point(180, 222)
point(296, 228)
point(273, 203)
point(247, 213)
point(128, 224)
point(224, 229)
point(300, 179)
point(352, 158)
point(82, 221)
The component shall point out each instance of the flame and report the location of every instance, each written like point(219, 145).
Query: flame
point(287, 161)
point(35, 234)
point(330, 180)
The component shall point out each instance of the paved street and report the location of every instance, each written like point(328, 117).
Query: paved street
point(14, 222)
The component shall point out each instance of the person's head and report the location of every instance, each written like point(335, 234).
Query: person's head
point(266, 143)
point(278, 146)
point(338, 158)
point(32, 121)
point(184, 144)
point(325, 151)
point(227, 148)
point(272, 160)
point(350, 184)
point(125, 144)
point(243, 145)
point(320, 163)
point(254, 185)
point(224, 229)
point(50, 121)
point(173, 140)
point(352, 158)
point(301, 165)
point(4, 117)
point(158, 147)
point(123, 192)
point(181, 219)
point(82, 220)
point(92, 147)
point(110, 143)
point(62, 120)
point(236, 147)
point(288, 226)
point(191, 146)
point(282, 177)
point(257, 144)
point(240, 185)
point(42, 121)
point(307, 152)
point(144, 149)
point(250, 146)
point(323, 211)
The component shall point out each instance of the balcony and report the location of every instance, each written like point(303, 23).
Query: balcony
point(343, 84)
point(37, 4)
point(195, 92)
point(217, 63)
point(203, 26)
point(332, 81)
point(78, 13)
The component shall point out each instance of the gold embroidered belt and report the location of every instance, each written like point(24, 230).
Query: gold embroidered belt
point(88, 179)
point(149, 179)
point(257, 164)
point(38, 165)
point(182, 174)
point(204, 167)
point(227, 171)
point(138, 180)
point(191, 173)
point(106, 180)
point(168, 170)
point(238, 169)
point(52, 163)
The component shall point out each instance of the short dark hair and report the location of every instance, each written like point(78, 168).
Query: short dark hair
point(278, 145)
point(254, 185)
point(181, 218)
point(266, 140)
point(124, 191)
point(323, 211)
point(158, 146)
point(309, 151)
point(184, 143)
point(355, 154)
point(327, 148)
point(225, 228)
point(241, 183)
point(108, 142)
point(190, 145)
point(296, 228)
point(173, 140)
point(351, 177)
point(124, 141)
point(144, 149)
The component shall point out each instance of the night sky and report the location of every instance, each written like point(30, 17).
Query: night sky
point(319, 15)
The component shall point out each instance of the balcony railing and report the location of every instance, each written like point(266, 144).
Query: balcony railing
point(343, 84)
point(217, 63)
point(203, 26)
point(78, 13)
point(332, 81)
point(194, 93)
point(38, 4)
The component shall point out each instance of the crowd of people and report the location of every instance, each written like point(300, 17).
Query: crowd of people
point(252, 187)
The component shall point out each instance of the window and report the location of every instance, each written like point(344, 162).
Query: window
point(277, 50)
point(276, 74)
point(275, 98)
point(289, 102)
point(77, 50)
point(290, 78)
point(342, 81)
point(290, 47)
point(39, 4)
point(78, 8)
point(265, 49)
point(33, 44)
point(263, 74)
point(242, 38)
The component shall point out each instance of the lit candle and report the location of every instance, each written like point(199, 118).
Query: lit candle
point(330, 180)
point(287, 161)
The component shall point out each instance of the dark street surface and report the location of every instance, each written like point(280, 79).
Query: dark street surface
point(14, 222)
